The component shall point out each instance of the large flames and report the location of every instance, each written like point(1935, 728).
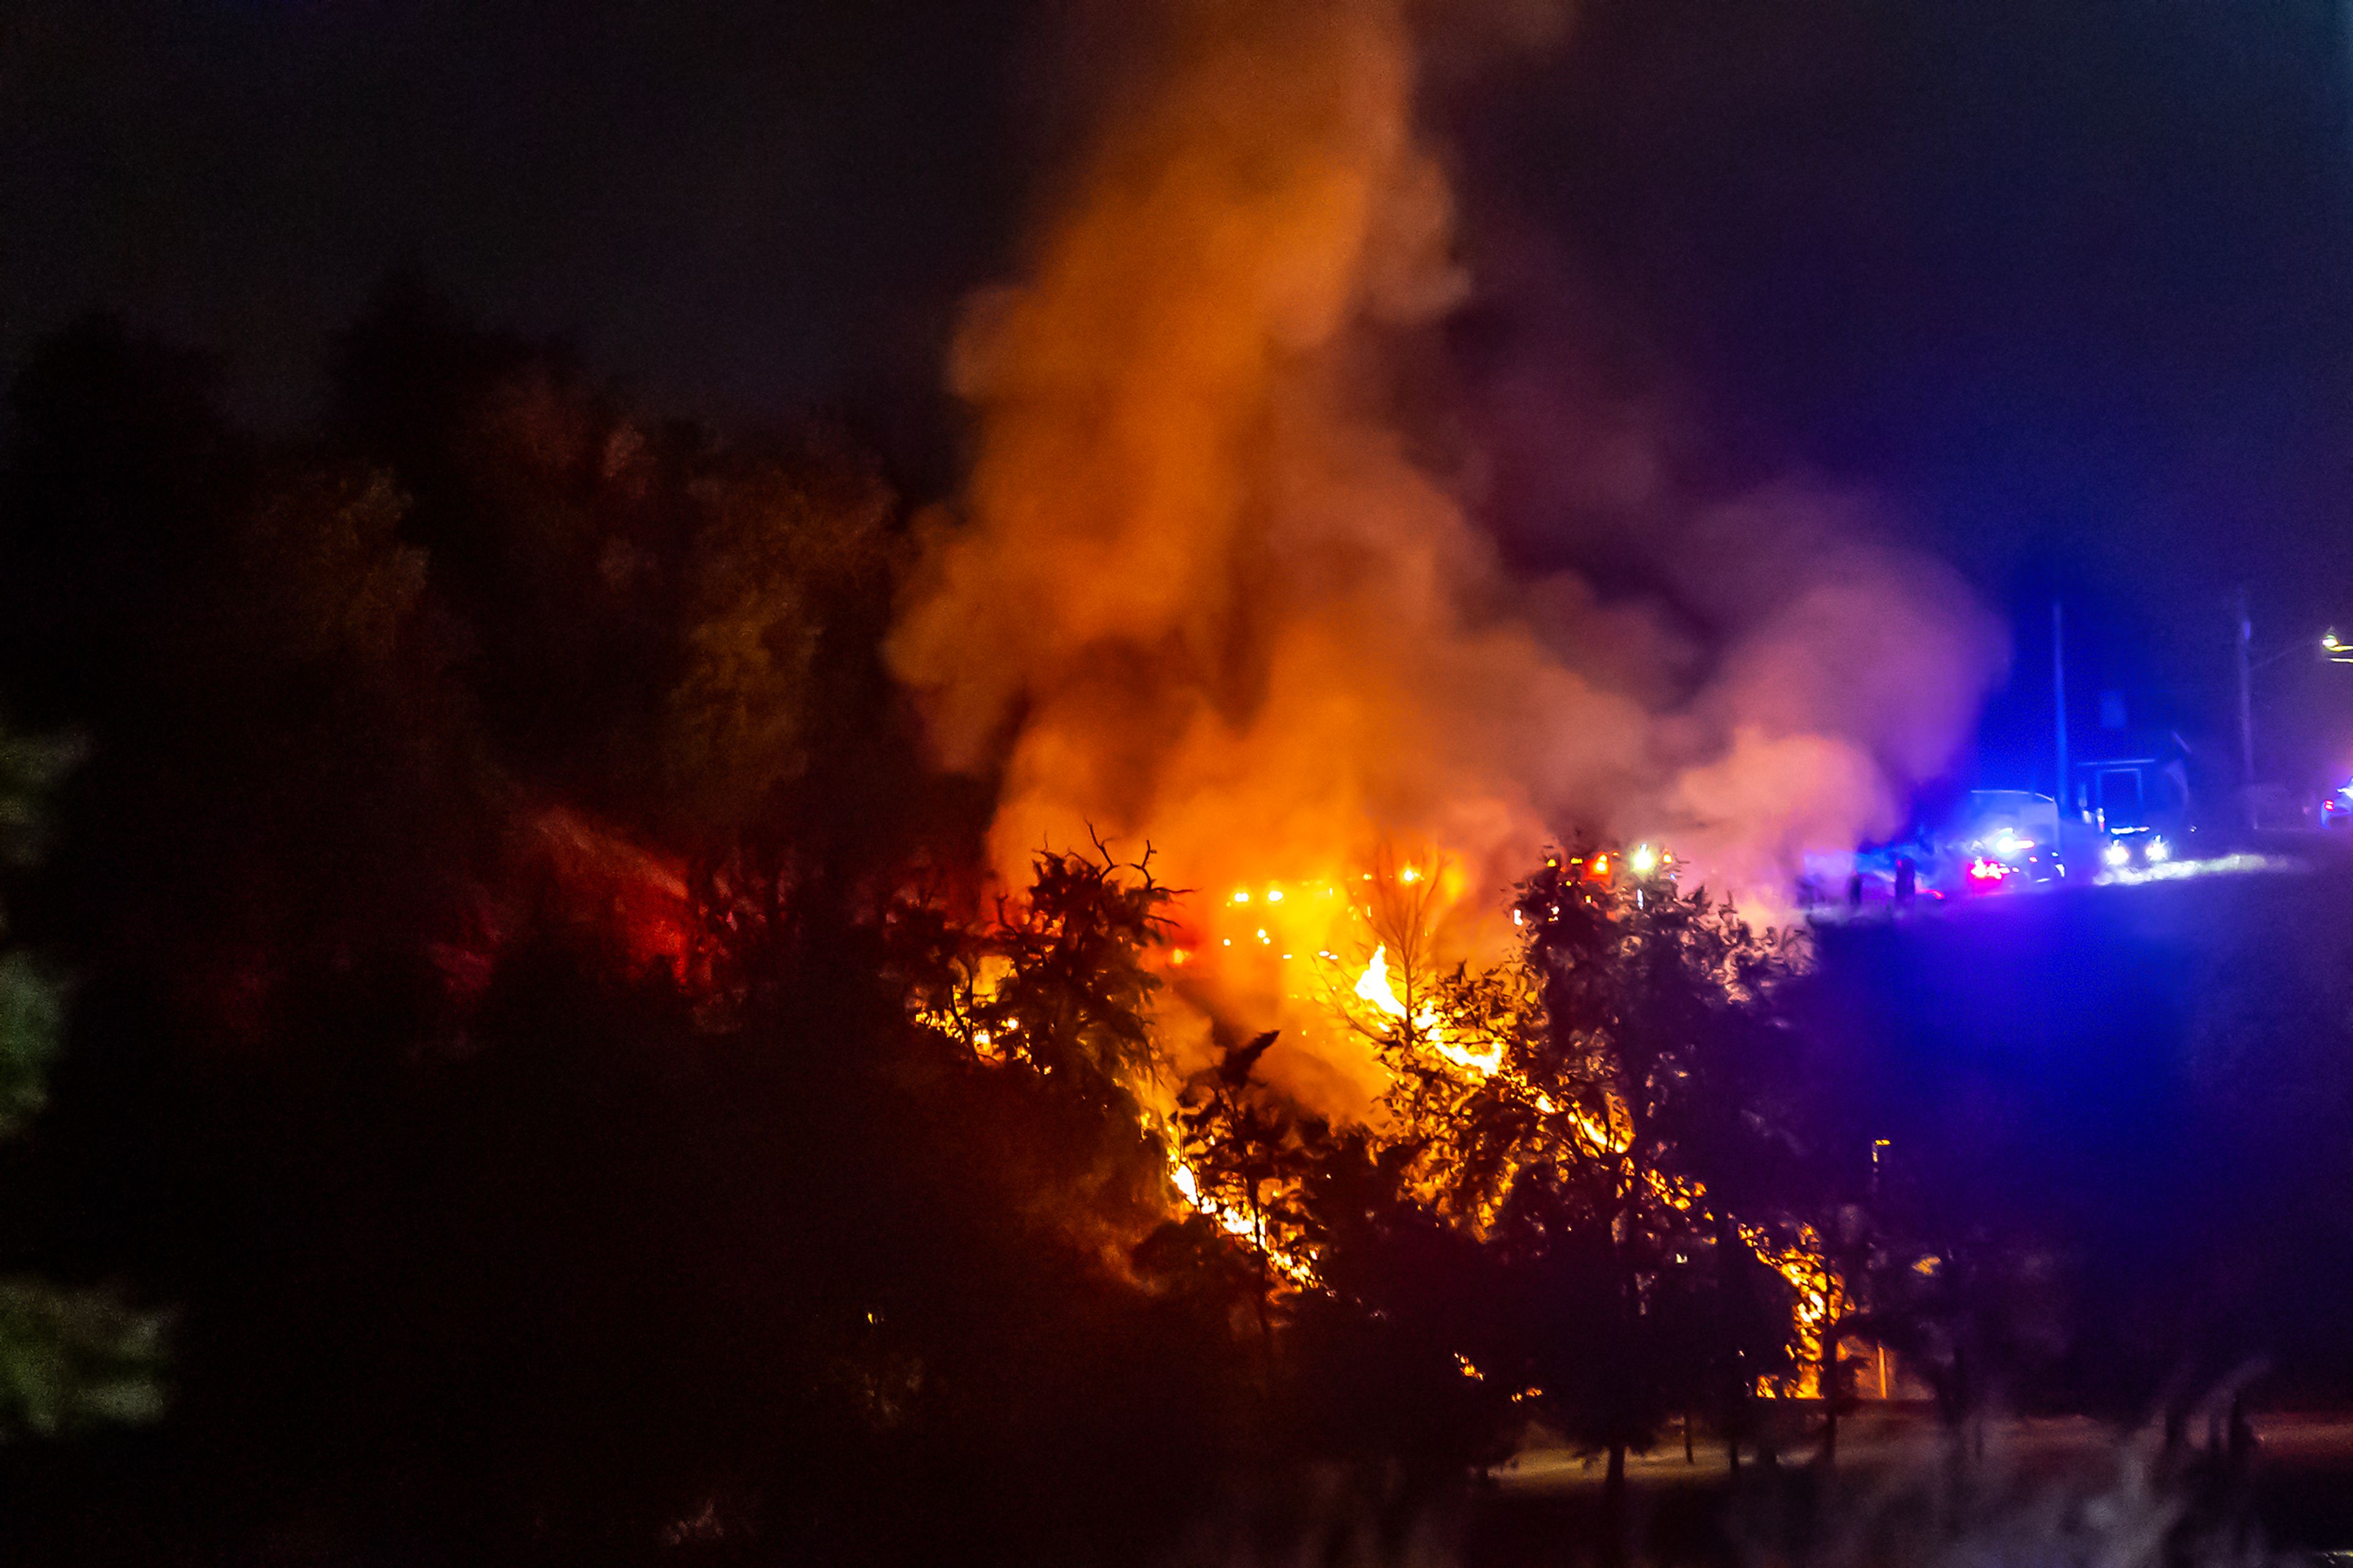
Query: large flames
point(1391, 1002)
point(1213, 584)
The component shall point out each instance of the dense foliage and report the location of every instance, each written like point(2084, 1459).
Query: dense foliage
point(540, 1027)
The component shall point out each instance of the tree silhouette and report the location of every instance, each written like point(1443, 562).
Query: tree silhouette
point(1240, 1148)
point(71, 1359)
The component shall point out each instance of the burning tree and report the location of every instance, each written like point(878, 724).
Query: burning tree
point(1582, 1197)
point(1595, 1114)
point(1236, 1155)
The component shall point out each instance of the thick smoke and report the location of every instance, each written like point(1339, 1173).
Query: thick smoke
point(1206, 591)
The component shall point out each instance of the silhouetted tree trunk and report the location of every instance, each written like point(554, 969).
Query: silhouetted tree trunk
point(1732, 1286)
point(1265, 1282)
point(1828, 1373)
point(1626, 1390)
point(1613, 1508)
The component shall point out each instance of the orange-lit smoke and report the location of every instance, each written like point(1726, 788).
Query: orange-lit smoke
point(1202, 591)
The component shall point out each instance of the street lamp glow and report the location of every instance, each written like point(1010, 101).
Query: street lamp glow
point(1645, 859)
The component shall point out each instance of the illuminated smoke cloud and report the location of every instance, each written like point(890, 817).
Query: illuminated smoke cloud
point(1204, 590)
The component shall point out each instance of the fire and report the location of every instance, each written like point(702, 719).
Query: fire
point(1297, 1268)
point(1428, 1028)
point(1232, 1221)
point(1196, 590)
point(1373, 985)
point(1199, 591)
point(1198, 587)
point(1818, 1285)
point(1597, 1124)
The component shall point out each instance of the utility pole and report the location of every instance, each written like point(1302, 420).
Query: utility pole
point(2059, 704)
point(2246, 693)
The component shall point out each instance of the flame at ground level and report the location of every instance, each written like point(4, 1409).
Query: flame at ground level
point(1296, 933)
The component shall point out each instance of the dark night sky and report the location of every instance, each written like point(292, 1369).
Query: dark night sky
point(737, 207)
point(2071, 284)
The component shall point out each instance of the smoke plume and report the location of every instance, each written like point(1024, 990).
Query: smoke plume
point(1207, 589)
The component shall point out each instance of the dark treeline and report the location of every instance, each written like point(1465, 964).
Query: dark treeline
point(538, 1034)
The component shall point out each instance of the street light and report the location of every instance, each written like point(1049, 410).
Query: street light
point(2333, 648)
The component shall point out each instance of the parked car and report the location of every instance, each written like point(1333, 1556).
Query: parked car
point(2000, 839)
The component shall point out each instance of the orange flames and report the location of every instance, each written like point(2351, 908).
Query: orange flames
point(1207, 588)
point(1818, 1286)
point(1233, 614)
point(1367, 1002)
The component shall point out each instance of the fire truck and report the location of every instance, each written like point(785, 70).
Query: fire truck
point(2130, 812)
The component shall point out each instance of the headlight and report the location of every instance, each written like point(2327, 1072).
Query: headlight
point(2117, 854)
point(2158, 849)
